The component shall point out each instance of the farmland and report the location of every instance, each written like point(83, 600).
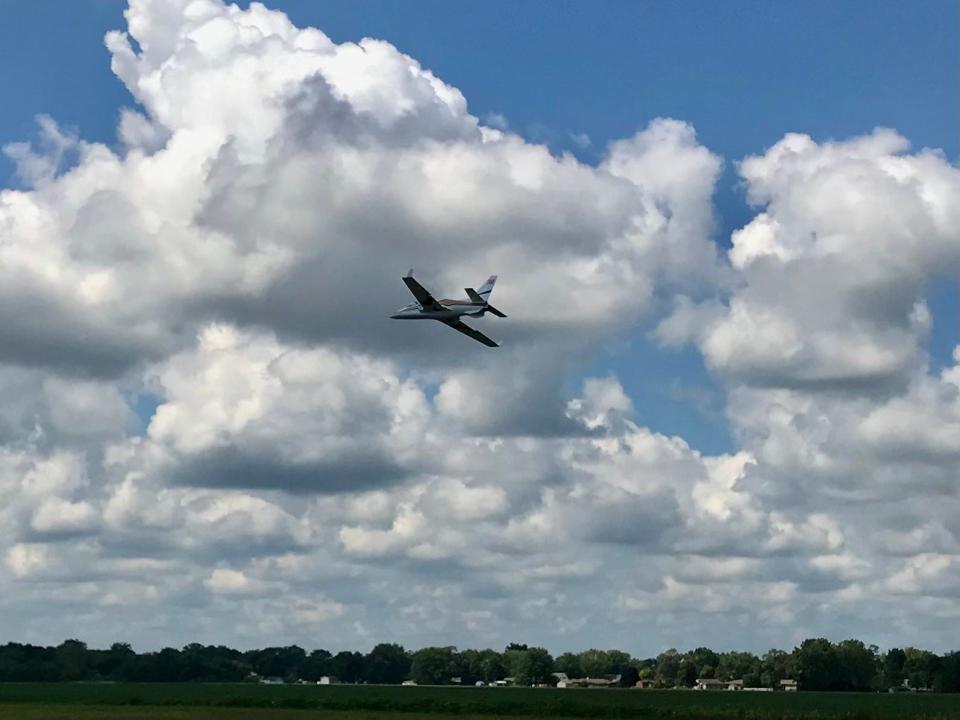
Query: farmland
point(357, 702)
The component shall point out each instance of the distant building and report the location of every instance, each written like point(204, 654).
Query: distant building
point(709, 684)
point(590, 682)
point(788, 685)
point(409, 682)
point(327, 680)
point(714, 684)
point(272, 680)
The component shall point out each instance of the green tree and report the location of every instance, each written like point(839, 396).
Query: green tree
point(569, 663)
point(347, 666)
point(892, 665)
point(470, 667)
point(492, 666)
point(533, 666)
point(739, 665)
point(648, 664)
point(777, 665)
point(480, 665)
point(617, 661)
point(818, 666)
point(117, 662)
point(947, 675)
point(211, 664)
point(71, 659)
point(317, 665)
point(433, 665)
point(698, 663)
point(629, 676)
point(166, 665)
point(386, 664)
point(919, 667)
point(281, 662)
point(668, 668)
point(858, 666)
point(594, 663)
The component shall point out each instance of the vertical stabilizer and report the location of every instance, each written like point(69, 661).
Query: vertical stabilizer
point(487, 288)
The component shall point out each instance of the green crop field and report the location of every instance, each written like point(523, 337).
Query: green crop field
point(365, 702)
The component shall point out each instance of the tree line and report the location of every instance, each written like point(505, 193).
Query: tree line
point(817, 664)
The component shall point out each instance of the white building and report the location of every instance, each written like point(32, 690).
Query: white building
point(709, 684)
point(714, 684)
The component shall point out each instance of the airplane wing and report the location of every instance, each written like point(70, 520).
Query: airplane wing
point(423, 296)
point(467, 330)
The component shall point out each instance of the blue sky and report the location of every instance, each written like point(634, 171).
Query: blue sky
point(743, 73)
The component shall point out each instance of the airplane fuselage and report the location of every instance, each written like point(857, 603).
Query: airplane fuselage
point(452, 309)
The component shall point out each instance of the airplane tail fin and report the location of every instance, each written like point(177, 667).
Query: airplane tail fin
point(484, 292)
point(487, 288)
point(482, 299)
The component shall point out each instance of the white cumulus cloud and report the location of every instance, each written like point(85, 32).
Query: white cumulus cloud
point(209, 425)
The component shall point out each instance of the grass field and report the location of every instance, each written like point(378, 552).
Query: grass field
point(193, 712)
point(346, 702)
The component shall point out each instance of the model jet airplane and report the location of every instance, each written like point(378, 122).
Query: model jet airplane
point(448, 311)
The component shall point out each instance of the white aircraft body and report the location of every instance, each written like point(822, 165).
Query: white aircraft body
point(449, 311)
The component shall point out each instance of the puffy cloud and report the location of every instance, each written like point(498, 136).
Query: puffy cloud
point(208, 421)
point(243, 411)
point(56, 515)
point(23, 559)
point(833, 273)
point(922, 424)
point(821, 340)
point(295, 194)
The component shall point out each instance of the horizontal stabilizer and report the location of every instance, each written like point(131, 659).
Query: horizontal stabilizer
point(496, 312)
point(474, 295)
